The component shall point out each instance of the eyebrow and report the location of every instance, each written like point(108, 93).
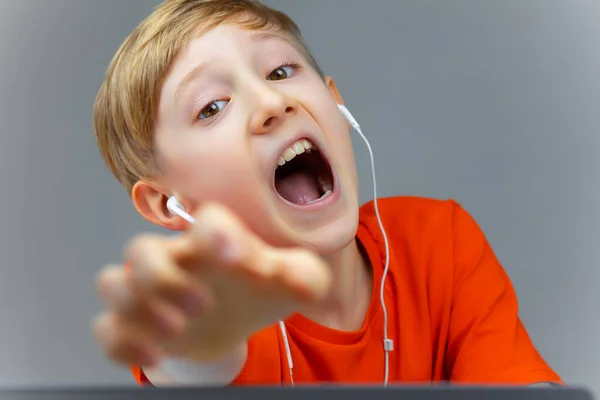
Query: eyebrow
point(199, 69)
point(191, 76)
point(266, 35)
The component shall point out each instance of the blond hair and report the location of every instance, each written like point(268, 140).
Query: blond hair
point(126, 106)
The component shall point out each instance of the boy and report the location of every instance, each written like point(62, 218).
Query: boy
point(219, 105)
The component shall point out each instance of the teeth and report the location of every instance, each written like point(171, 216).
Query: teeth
point(327, 193)
point(289, 154)
point(301, 146)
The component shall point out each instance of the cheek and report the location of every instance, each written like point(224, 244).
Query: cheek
point(210, 176)
point(197, 167)
point(223, 176)
point(339, 140)
point(347, 162)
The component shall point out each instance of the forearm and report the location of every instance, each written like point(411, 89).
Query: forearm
point(174, 372)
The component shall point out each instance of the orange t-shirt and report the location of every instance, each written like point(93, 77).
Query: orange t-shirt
point(452, 312)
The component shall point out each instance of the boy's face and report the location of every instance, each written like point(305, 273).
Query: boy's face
point(235, 105)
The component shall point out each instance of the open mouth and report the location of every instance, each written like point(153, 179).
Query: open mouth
point(304, 176)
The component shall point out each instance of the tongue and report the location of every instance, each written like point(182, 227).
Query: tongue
point(298, 187)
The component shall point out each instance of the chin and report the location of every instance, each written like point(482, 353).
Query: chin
point(333, 236)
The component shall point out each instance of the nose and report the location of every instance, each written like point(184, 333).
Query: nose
point(271, 110)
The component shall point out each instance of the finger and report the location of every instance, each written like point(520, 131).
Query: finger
point(161, 318)
point(114, 290)
point(124, 343)
point(302, 274)
point(117, 292)
point(305, 272)
point(219, 238)
point(154, 272)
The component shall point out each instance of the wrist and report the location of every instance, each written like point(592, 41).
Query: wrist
point(188, 371)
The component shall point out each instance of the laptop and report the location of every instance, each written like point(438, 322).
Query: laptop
point(301, 393)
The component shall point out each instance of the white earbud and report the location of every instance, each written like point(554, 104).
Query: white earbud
point(176, 208)
point(346, 113)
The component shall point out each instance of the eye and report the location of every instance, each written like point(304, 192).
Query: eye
point(283, 72)
point(212, 109)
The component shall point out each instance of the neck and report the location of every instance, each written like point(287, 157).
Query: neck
point(346, 306)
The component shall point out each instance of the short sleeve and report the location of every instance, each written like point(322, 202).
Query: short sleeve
point(139, 376)
point(487, 342)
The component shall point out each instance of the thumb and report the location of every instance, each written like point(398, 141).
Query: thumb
point(217, 236)
point(305, 272)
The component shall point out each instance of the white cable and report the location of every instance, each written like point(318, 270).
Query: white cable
point(288, 352)
point(388, 344)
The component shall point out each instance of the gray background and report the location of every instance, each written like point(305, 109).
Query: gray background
point(492, 103)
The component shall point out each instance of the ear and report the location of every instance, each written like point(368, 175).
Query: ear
point(333, 90)
point(150, 200)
